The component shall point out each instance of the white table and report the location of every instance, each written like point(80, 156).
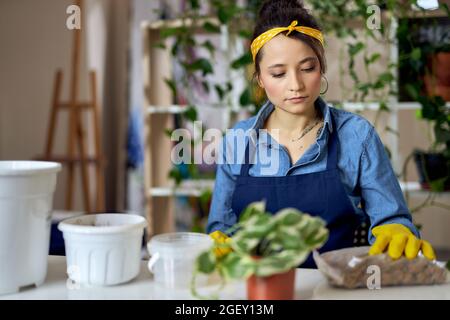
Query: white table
point(310, 284)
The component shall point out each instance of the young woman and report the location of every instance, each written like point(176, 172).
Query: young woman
point(322, 161)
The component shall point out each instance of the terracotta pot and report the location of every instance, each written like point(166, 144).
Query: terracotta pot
point(434, 89)
point(438, 82)
point(276, 287)
point(441, 64)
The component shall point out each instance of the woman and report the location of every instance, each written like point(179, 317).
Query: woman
point(323, 161)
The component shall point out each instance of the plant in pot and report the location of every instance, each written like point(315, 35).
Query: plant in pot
point(434, 165)
point(264, 249)
point(424, 73)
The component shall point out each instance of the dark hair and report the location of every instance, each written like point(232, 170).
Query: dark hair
point(280, 13)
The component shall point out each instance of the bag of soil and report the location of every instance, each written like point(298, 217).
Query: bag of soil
point(351, 267)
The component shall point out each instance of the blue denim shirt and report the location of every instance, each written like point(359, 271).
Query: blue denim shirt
point(364, 166)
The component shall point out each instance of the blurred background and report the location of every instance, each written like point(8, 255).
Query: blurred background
point(99, 85)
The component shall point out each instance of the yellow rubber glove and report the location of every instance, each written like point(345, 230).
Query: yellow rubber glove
point(220, 238)
point(400, 240)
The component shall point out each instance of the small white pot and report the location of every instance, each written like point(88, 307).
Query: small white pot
point(26, 204)
point(103, 249)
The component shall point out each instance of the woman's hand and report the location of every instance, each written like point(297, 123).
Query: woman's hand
point(400, 240)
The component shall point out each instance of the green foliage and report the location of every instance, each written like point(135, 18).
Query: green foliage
point(201, 64)
point(414, 59)
point(226, 15)
point(359, 46)
point(204, 199)
point(190, 113)
point(242, 61)
point(237, 20)
point(172, 86)
point(209, 27)
point(264, 244)
point(176, 175)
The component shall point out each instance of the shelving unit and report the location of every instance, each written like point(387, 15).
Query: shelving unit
point(188, 188)
point(159, 115)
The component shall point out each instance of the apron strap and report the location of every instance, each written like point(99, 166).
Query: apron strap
point(245, 166)
point(333, 142)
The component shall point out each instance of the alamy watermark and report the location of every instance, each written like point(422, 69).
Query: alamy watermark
point(373, 22)
point(374, 280)
point(212, 147)
point(73, 21)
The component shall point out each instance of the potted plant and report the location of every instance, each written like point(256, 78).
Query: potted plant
point(425, 78)
point(264, 249)
point(434, 165)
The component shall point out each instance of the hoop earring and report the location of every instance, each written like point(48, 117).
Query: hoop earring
point(326, 80)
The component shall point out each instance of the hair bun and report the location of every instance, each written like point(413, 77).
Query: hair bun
point(269, 7)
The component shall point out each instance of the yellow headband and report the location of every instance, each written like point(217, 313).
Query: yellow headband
point(269, 34)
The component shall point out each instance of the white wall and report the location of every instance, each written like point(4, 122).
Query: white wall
point(107, 48)
point(34, 44)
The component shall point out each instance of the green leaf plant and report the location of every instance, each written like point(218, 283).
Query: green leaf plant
point(225, 17)
point(262, 244)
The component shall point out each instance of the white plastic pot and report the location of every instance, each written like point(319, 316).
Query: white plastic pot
point(173, 256)
point(26, 203)
point(103, 249)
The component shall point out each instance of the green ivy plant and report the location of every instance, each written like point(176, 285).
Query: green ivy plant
point(236, 21)
point(339, 19)
point(226, 15)
point(263, 244)
point(414, 60)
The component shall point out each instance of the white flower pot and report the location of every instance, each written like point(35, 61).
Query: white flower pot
point(103, 249)
point(26, 203)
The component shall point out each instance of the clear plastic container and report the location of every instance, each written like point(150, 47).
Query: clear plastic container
point(173, 256)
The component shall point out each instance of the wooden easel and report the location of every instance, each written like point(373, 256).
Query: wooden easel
point(76, 134)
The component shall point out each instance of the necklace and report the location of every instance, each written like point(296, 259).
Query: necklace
point(307, 129)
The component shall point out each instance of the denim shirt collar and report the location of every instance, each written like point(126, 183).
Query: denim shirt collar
point(267, 109)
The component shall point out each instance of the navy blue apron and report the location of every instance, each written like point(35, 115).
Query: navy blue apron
point(318, 193)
